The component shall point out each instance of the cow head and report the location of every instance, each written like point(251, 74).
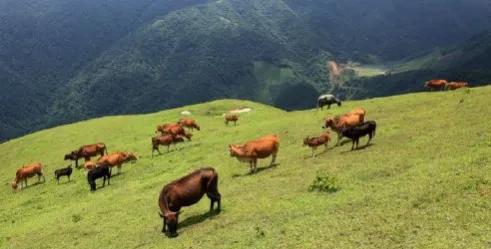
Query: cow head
point(71, 156)
point(306, 141)
point(14, 185)
point(235, 150)
point(188, 135)
point(339, 103)
point(329, 123)
point(170, 219)
point(130, 157)
point(178, 139)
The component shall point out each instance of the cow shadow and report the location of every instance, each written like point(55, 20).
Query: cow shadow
point(258, 170)
point(32, 185)
point(196, 219)
point(65, 182)
point(363, 147)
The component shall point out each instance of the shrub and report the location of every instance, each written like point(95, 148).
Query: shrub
point(324, 182)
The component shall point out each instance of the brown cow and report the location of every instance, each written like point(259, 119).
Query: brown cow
point(86, 152)
point(350, 119)
point(116, 159)
point(437, 84)
point(257, 149)
point(27, 171)
point(231, 118)
point(315, 142)
point(173, 129)
point(456, 85)
point(189, 123)
point(187, 191)
point(166, 140)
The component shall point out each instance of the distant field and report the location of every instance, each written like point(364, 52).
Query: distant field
point(369, 71)
point(424, 183)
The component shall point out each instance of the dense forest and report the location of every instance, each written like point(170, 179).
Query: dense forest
point(63, 61)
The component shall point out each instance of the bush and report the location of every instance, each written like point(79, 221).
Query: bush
point(324, 182)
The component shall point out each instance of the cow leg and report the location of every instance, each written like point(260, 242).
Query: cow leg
point(273, 160)
point(329, 106)
point(339, 139)
point(109, 179)
point(76, 163)
point(313, 155)
point(119, 169)
point(58, 179)
point(168, 148)
point(352, 144)
point(164, 230)
point(251, 163)
point(104, 181)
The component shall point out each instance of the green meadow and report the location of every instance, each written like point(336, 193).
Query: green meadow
point(425, 182)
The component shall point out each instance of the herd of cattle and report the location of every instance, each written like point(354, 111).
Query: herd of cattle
point(442, 84)
point(189, 189)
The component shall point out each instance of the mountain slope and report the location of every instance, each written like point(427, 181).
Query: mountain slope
point(424, 183)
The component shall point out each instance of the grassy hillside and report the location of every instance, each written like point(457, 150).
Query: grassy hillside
point(424, 183)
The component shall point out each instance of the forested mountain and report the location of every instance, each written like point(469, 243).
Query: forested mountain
point(62, 61)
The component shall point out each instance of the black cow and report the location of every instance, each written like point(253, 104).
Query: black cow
point(361, 130)
point(63, 172)
point(327, 99)
point(99, 172)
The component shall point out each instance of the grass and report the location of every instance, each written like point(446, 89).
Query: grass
point(424, 183)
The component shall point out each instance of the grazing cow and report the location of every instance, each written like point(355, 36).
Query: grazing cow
point(173, 129)
point(189, 123)
point(349, 119)
point(99, 172)
point(327, 99)
point(116, 159)
point(86, 152)
point(187, 191)
point(315, 142)
point(63, 172)
point(438, 84)
point(361, 130)
point(27, 171)
point(166, 140)
point(231, 118)
point(456, 85)
point(257, 149)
